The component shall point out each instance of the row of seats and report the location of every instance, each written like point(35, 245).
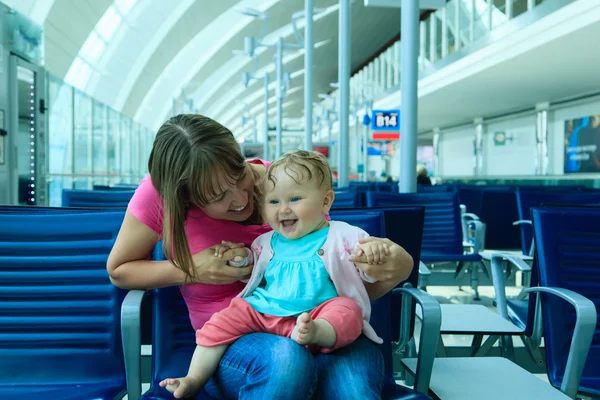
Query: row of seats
point(64, 311)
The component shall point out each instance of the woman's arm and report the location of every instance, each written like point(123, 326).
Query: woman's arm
point(129, 267)
point(395, 269)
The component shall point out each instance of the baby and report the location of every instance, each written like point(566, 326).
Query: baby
point(302, 286)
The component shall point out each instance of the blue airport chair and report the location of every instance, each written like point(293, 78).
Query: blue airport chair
point(174, 339)
point(362, 186)
point(118, 186)
point(391, 187)
point(521, 310)
point(348, 199)
point(101, 187)
point(124, 186)
point(442, 241)
point(397, 219)
point(568, 255)
point(442, 232)
point(436, 188)
point(59, 311)
point(527, 199)
point(113, 199)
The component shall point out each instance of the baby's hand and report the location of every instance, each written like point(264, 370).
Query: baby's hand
point(376, 252)
point(220, 249)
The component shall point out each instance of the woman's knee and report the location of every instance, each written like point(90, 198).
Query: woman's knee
point(270, 366)
point(355, 372)
point(288, 363)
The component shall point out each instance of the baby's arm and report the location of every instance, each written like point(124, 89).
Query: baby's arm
point(237, 261)
point(369, 253)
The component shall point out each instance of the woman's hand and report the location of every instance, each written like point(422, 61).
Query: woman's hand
point(211, 266)
point(396, 267)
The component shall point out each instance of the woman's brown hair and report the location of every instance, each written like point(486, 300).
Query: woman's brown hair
point(189, 152)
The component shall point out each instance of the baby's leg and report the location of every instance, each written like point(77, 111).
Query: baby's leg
point(203, 365)
point(332, 325)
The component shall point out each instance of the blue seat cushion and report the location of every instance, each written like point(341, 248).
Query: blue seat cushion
point(435, 257)
point(590, 384)
point(96, 391)
point(517, 312)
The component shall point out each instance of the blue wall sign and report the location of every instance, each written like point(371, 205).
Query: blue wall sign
point(385, 120)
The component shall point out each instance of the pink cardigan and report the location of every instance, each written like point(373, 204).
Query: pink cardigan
point(346, 277)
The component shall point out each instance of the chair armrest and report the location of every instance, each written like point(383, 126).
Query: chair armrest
point(585, 326)
point(423, 270)
point(430, 332)
point(470, 216)
point(132, 342)
point(479, 243)
point(498, 278)
point(527, 222)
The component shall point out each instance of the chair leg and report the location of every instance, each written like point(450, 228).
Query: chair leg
point(507, 348)
point(422, 283)
point(475, 281)
point(441, 348)
point(476, 344)
point(459, 267)
point(411, 350)
point(533, 349)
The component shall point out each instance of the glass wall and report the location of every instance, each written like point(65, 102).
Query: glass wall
point(91, 144)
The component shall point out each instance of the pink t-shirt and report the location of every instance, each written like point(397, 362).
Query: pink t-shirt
point(202, 300)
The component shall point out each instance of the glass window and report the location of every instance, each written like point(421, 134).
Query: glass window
point(451, 26)
point(124, 5)
point(99, 139)
point(83, 114)
point(464, 27)
point(79, 73)
point(56, 185)
point(135, 151)
point(439, 31)
point(518, 7)
point(427, 28)
point(92, 48)
point(113, 136)
point(125, 153)
point(108, 24)
point(60, 120)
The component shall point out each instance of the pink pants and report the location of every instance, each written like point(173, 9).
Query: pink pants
point(240, 319)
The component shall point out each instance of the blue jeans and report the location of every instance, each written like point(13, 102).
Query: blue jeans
point(264, 366)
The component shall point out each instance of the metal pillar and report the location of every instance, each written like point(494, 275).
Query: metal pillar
point(478, 147)
point(408, 88)
point(436, 152)
point(266, 142)
point(344, 91)
point(542, 139)
point(356, 137)
point(308, 73)
point(365, 153)
point(279, 93)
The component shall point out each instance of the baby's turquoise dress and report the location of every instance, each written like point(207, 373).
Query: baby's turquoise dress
point(295, 280)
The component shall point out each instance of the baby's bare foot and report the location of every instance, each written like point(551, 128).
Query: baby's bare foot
point(181, 387)
point(305, 331)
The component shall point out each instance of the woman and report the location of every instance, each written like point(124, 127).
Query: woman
point(200, 192)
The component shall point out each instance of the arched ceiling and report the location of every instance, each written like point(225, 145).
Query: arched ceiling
point(138, 55)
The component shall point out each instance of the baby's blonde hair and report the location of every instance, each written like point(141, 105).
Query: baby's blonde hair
point(302, 164)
